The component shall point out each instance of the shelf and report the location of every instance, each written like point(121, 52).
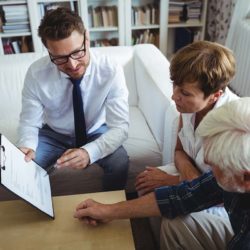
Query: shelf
point(181, 33)
point(54, 1)
point(103, 29)
point(144, 27)
point(150, 16)
point(185, 24)
point(9, 2)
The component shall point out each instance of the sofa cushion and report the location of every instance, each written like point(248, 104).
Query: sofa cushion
point(8, 127)
point(154, 87)
point(123, 55)
point(141, 146)
point(13, 70)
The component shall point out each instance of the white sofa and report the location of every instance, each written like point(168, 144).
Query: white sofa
point(152, 114)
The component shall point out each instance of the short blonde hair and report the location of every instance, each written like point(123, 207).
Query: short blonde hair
point(210, 64)
point(226, 134)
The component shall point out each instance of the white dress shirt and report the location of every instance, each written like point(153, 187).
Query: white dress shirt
point(47, 99)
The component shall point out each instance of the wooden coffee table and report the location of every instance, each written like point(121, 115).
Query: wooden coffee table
point(23, 227)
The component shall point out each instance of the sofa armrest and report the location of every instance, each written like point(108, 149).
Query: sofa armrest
point(154, 90)
point(170, 134)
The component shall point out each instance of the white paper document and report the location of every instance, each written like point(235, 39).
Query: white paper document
point(26, 179)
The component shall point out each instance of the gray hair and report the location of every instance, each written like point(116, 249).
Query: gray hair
point(226, 134)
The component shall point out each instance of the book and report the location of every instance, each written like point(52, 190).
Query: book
point(112, 16)
point(7, 48)
point(16, 47)
point(72, 6)
point(96, 19)
point(16, 23)
point(25, 47)
point(27, 180)
point(16, 27)
point(1, 23)
point(15, 7)
point(183, 36)
point(104, 13)
point(15, 31)
point(90, 16)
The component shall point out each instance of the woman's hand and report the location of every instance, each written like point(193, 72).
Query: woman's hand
point(153, 178)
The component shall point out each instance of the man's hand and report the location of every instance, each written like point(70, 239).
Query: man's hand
point(153, 178)
point(92, 212)
point(74, 158)
point(29, 154)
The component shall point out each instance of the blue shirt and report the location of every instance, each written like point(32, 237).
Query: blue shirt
point(203, 193)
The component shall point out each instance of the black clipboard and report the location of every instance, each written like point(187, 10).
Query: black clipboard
point(27, 180)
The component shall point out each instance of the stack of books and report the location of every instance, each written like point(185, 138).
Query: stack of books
point(145, 36)
point(194, 11)
point(104, 42)
point(16, 19)
point(145, 15)
point(184, 10)
point(102, 16)
point(15, 45)
point(44, 7)
point(185, 36)
point(1, 23)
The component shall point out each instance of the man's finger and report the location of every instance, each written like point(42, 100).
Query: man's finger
point(140, 181)
point(142, 186)
point(81, 205)
point(150, 168)
point(93, 222)
point(81, 213)
point(141, 175)
point(64, 160)
point(29, 156)
point(67, 152)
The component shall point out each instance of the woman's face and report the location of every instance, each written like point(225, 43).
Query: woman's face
point(190, 99)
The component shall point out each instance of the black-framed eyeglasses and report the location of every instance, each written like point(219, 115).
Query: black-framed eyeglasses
point(76, 55)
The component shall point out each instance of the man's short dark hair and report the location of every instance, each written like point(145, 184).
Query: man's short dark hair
point(59, 24)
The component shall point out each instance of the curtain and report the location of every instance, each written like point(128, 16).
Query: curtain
point(219, 13)
point(238, 40)
point(241, 11)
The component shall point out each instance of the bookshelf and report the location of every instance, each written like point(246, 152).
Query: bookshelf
point(15, 32)
point(105, 21)
point(110, 22)
point(38, 9)
point(186, 23)
point(107, 33)
point(145, 22)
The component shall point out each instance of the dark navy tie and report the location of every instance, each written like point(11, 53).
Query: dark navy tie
point(80, 126)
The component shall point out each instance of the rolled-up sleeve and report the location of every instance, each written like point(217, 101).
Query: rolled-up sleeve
point(189, 197)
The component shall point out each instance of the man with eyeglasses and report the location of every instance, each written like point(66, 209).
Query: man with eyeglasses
point(51, 131)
